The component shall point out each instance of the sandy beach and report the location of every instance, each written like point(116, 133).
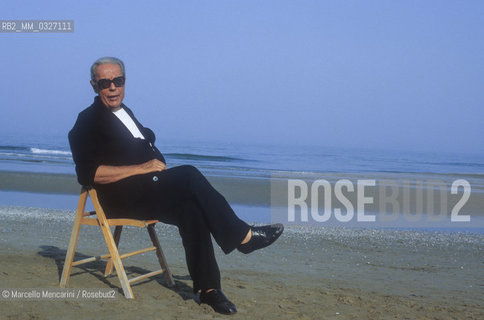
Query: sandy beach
point(310, 273)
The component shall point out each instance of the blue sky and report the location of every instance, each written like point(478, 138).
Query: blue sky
point(376, 74)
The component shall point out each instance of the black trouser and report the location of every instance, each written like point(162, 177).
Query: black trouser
point(188, 200)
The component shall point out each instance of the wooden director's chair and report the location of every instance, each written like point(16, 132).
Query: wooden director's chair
point(114, 258)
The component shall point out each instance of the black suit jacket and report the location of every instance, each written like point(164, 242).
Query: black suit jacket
point(100, 138)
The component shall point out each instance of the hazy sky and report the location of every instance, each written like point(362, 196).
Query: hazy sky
point(390, 74)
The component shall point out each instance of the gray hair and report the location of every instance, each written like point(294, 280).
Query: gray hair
point(104, 60)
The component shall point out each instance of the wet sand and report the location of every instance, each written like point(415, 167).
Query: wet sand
point(238, 190)
point(253, 190)
point(310, 273)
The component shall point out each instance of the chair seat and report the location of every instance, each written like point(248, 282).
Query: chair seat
point(119, 222)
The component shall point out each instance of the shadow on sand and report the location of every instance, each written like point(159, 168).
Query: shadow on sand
point(96, 269)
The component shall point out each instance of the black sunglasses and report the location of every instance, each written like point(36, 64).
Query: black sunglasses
point(106, 83)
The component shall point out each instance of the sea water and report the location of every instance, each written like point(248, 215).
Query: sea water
point(52, 155)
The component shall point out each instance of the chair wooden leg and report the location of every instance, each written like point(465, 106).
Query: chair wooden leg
point(113, 250)
point(117, 236)
point(160, 255)
point(71, 250)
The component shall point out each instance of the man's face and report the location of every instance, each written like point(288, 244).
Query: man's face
point(113, 96)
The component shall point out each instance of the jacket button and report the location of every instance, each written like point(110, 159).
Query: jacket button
point(155, 178)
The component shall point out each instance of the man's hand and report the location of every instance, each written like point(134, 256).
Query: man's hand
point(152, 166)
point(109, 174)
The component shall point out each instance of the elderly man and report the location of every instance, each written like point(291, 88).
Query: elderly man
point(117, 156)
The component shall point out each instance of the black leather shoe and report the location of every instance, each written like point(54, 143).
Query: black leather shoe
point(218, 301)
point(262, 237)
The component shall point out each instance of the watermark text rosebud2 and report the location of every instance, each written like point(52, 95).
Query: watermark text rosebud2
point(392, 201)
point(25, 294)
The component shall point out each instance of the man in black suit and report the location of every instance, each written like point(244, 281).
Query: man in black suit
point(117, 156)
